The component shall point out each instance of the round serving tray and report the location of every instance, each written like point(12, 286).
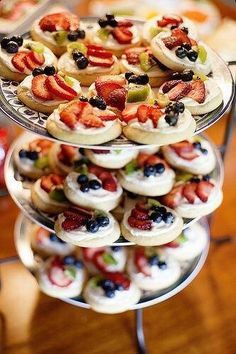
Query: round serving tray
point(35, 121)
point(19, 189)
point(189, 269)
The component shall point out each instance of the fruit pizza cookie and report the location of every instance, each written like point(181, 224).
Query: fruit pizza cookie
point(116, 158)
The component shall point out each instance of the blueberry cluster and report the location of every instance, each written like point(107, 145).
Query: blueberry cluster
point(93, 225)
point(53, 237)
point(72, 261)
point(110, 287)
point(172, 112)
point(97, 101)
point(154, 170)
point(160, 213)
point(86, 184)
point(11, 45)
point(48, 70)
point(31, 155)
point(108, 21)
point(115, 248)
point(142, 79)
point(198, 180)
point(74, 35)
point(155, 261)
point(185, 50)
point(199, 147)
point(186, 75)
point(80, 59)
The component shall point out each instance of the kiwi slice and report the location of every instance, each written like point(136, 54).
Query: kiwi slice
point(183, 176)
point(77, 46)
point(42, 162)
point(200, 76)
point(131, 167)
point(153, 202)
point(60, 37)
point(103, 34)
point(144, 61)
point(162, 99)
point(202, 53)
point(137, 93)
point(69, 80)
point(57, 195)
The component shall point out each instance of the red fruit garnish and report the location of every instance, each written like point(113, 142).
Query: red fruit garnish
point(88, 253)
point(141, 262)
point(142, 158)
point(117, 98)
point(62, 83)
point(103, 62)
point(18, 61)
point(171, 42)
point(189, 192)
point(104, 88)
point(107, 115)
point(37, 58)
point(154, 114)
point(179, 91)
point(125, 23)
point(139, 214)
point(98, 171)
point(99, 151)
point(143, 112)
point(41, 234)
point(66, 153)
point(139, 224)
point(29, 62)
point(203, 190)
point(98, 52)
point(122, 34)
point(169, 20)
point(172, 244)
point(181, 35)
point(39, 88)
point(49, 181)
point(70, 114)
point(154, 159)
point(99, 261)
point(119, 278)
point(62, 20)
point(57, 90)
point(41, 145)
point(58, 277)
point(197, 91)
point(173, 198)
point(129, 113)
point(71, 224)
point(132, 54)
point(167, 86)
point(109, 184)
point(185, 150)
point(90, 120)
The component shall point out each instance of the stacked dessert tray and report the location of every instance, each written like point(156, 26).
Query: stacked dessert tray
point(83, 203)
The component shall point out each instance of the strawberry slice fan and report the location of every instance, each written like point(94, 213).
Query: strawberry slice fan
point(28, 119)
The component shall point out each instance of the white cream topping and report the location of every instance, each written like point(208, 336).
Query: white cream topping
point(154, 71)
point(44, 196)
point(117, 155)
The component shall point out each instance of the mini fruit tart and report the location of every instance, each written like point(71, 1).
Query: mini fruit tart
point(178, 51)
point(86, 62)
point(116, 34)
point(111, 158)
point(94, 187)
point(150, 124)
point(120, 90)
point(45, 89)
point(84, 122)
point(47, 194)
point(199, 93)
point(19, 57)
point(111, 293)
point(189, 244)
point(194, 198)
point(64, 158)
point(57, 30)
point(167, 23)
point(87, 228)
point(61, 277)
point(105, 259)
point(151, 269)
point(151, 224)
point(194, 155)
point(140, 60)
point(46, 243)
point(32, 158)
point(147, 175)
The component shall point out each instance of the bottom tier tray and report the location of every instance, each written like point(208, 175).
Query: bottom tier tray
point(190, 269)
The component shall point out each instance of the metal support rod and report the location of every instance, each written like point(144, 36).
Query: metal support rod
point(139, 332)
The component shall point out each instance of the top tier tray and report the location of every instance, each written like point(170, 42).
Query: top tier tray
point(35, 121)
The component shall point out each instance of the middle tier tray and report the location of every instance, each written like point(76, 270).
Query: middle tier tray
point(19, 189)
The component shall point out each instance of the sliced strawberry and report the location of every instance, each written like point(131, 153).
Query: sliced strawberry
point(61, 20)
point(39, 88)
point(141, 262)
point(117, 79)
point(103, 62)
point(69, 119)
point(143, 112)
point(154, 159)
point(29, 63)
point(142, 158)
point(98, 171)
point(119, 278)
point(179, 91)
point(66, 153)
point(142, 206)
point(117, 98)
point(98, 52)
point(122, 34)
point(40, 144)
point(100, 151)
point(91, 121)
point(107, 115)
point(169, 20)
point(189, 192)
point(79, 218)
point(181, 35)
point(71, 224)
point(109, 184)
point(155, 114)
point(129, 113)
point(172, 244)
point(37, 58)
point(57, 276)
point(139, 214)
point(58, 91)
point(70, 114)
point(125, 23)
point(62, 83)
point(99, 262)
point(139, 224)
point(46, 183)
point(171, 42)
point(132, 54)
point(41, 234)
point(185, 150)
point(88, 253)
point(57, 180)
point(203, 190)
point(18, 61)
point(167, 86)
point(173, 198)
point(104, 88)
point(197, 91)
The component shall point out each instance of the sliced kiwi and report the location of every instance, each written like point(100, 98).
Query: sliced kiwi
point(77, 46)
point(60, 37)
point(137, 93)
point(109, 259)
point(154, 31)
point(202, 53)
point(162, 99)
point(131, 167)
point(200, 76)
point(183, 176)
point(69, 80)
point(103, 34)
point(153, 202)
point(42, 162)
point(57, 195)
point(144, 61)
point(70, 272)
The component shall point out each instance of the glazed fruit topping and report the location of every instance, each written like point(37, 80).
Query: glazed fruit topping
point(75, 218)
point(122, 34)
point(142, 79)
point(99, 221)
point(75, 35)
point(174, 197)
point(51, 181)
point(89, 253)
point(59, 88)
point(57, 273)
point(92, 54)
point(121, 281)
point(185, 149)
point(73, 261)
point(66, 154)
point(141, 261)
point(197, 91)
point(132, 54)
point(59, 21)
point(152, 165)
point(109, 183)
point(112, 91)
point(186, 75)
point(170, 21)
point(143, 113)
point(26, 61)
point(102, 259)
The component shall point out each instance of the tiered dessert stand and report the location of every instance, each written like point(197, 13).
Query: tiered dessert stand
point(35, 122)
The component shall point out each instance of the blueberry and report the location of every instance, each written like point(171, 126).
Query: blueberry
point(176, 76)
point(110, 293)
point(53, 237)
point(49, 70)
point(32, 155)
point(73, 36)
point(162, 265)
point(168, 218)
point(197, 145)
point(76, 54)
point(4, 42)
point(178, 107)
point(132, 79)
point(156, 217)
point(204, 151)
point(23, 154)
point(98, 102)
point(169, 108)
point(171, 119)
point(187, 46)
point(119, 287)
point(159, 168)
point(83, 99)
point(142, 79)
point(107, 284)
point(112, 23)
point(110, 17)
point(153, 260)
point(95, 184)
point(149, 171)
point(161, 210)
point(18, 40)
point(128, 74)
point(173, 27)
point(78, 264)
point(82, 62)
point(185, 30)
point(102, 23)
point(103, 221)
point(195, 180)
point(84, 187)
point(115, 248)
point(92, 226)
point(187, 75)
point(192, 55)
point(81, 34)
point(37, 71)
point(12, 47)
point(69, 260)
point(206, 178)
point(181, 52)
point(81, 179)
